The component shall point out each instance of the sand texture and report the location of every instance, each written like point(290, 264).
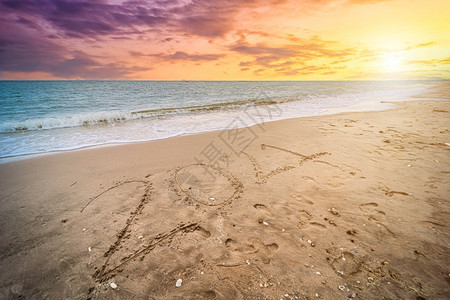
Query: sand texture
point(349, 205)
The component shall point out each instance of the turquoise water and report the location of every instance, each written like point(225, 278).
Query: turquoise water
point(44, 116)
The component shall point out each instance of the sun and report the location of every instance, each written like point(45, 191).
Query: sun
point(391, 61)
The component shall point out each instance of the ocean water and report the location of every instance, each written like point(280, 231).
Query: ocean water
point(45, 116)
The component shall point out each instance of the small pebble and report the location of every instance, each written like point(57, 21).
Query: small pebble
point(140, 237)
point(113, 285)
point(342, 288)
point(340, 273)
point(265, 223)
point(370, 279)
point(260, 221)
point(212, 198)
point(89, 249)
point(318, 273)
point(178, 284)
point(334, 211)
point(309, 241)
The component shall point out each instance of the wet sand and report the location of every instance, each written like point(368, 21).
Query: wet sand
point(331, 207)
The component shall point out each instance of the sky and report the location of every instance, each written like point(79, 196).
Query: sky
point(224, 39)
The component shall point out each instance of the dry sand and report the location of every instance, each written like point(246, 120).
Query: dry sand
point(330, 207)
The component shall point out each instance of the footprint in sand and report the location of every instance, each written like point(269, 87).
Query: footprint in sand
point(234, 246)
point(252, 248)
point(334, 182)
point(304, 217)
point(432, 224)
point(376, 216)
point(262, 208)
point(346, 264)
point(208, 294)
point(317, 225)
point(373, 213)
point(368, 207)
point(388, 192)
point(302, 198)
point(305, 222)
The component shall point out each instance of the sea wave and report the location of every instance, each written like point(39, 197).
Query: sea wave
point(112, 117)
point(86, 119)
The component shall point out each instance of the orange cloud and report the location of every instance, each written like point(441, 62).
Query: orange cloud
point(229, 39)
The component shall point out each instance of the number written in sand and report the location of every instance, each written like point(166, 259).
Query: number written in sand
point(207, 185)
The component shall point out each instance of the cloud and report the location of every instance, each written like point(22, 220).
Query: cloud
point(88, 18)
point(263, 49)
point(29, 53)
point(366, 1)
point(431, 62)
point(91, 18)
point(290, 58)
point(420, 45)
point(181, 56)
point(55, 36)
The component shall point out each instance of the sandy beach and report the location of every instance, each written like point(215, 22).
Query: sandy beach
point(352, 205)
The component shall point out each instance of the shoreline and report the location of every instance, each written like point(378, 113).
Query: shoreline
point(21, 144)
point(347, 204)
point(365, 106)
point(27, 156)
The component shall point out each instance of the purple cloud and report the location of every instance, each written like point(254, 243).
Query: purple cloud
point(181, 56)
point(90, 18)
point(26, 52)
point(79, 19)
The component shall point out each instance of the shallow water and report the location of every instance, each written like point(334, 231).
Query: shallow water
point(45, 116)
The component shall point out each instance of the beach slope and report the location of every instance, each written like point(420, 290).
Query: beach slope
point(349, 205)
